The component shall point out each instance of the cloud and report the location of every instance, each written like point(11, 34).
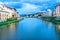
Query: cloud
point(9, 3)
point(58, 0)
point(38, 2)
point(30, 8)
point(35, 0)
point(9, 0)
point(12, 4)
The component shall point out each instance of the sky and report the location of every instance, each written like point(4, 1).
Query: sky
point(31, 6)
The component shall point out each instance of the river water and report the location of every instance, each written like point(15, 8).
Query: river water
point(30, 29)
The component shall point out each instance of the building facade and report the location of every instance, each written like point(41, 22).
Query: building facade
point(7, 12)
point(57, 10)
point(3, 15)
point(48, 12)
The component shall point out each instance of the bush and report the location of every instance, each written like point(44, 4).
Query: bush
point(11, 19)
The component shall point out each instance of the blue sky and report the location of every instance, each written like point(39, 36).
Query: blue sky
point(31, 6)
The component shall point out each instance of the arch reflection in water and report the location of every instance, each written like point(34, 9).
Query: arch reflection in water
point(8, 32)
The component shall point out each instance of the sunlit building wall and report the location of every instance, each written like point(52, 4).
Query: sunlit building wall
point(7, 12)
point(48, 12)
point(57, 10)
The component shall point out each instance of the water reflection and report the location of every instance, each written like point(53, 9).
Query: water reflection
point(30, 29)
point(49, 25)
point(57, 28)
point(37, 29)
point(8, 32)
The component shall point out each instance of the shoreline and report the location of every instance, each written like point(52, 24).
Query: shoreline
point(53, 20)
point(7, 23)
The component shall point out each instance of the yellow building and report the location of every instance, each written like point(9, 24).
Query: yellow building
point(7, 12)
point(4, 15)
point(13, 12)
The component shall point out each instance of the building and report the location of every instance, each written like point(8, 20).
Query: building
point(48, 12)
point(13, 11)
point(7, 12)
point(17, 15)
point(4, 15)
point(43, 14)
point(57, 10)
point(54, 13)
point(4, 8)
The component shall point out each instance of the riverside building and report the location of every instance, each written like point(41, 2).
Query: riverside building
point(7, 12)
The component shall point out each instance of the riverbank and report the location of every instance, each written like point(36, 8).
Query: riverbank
point(9, 22)
point(47, 18)
point(53, 20)
point(56, 21)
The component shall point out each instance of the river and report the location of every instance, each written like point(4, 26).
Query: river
point(30, 29)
